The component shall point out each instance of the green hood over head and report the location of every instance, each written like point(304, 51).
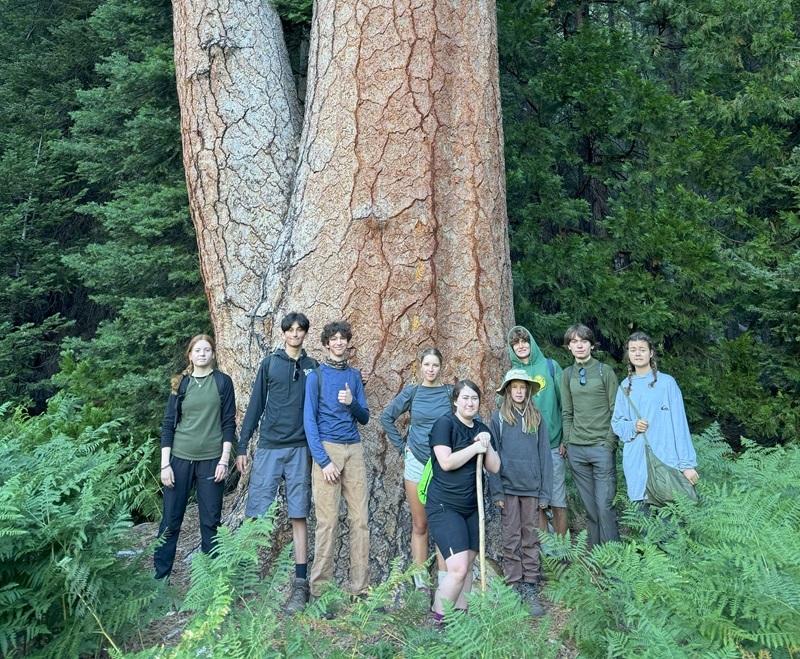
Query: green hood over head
point(536, 353)
point(548, 377)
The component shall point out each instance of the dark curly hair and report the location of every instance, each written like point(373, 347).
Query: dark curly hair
point(338, 327)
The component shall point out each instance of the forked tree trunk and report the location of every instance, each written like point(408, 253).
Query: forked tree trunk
point(396, 218)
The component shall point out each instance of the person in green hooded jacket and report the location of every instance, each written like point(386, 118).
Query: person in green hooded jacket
point(525, 354)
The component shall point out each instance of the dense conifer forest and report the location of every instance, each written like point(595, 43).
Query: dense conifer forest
point(652, 177)
point(653, 184)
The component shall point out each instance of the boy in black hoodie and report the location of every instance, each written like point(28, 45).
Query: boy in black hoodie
point(276, 406)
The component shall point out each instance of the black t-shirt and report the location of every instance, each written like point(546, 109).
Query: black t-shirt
point(455, 489)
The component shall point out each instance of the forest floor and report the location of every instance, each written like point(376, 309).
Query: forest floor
point(167, 631)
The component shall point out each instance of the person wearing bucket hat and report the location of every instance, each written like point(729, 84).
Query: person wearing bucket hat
point(524, 353)
point(524, 483)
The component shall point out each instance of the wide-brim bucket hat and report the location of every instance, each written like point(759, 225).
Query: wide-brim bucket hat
point(519, 374)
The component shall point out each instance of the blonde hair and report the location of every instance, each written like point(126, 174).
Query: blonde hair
point(530, 413)
point(175, 381)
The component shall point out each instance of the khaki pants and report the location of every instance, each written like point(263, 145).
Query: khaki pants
point(352, 482)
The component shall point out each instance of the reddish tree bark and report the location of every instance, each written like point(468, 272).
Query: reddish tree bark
point(396, 218)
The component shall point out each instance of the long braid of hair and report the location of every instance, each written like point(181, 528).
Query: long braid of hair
point(654, 368)
point(175, 380)
point(630, 378)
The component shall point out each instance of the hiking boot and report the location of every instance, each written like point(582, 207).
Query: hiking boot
point(326, 613)
point(299, 597)
point(536, 608)
point(528, 592)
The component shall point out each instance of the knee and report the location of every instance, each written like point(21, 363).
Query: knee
point(419, 526)
point(458, 570)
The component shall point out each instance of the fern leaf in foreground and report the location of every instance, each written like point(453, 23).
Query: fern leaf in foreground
point(712, 580)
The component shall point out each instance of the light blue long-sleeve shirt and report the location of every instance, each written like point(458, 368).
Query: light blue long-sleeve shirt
point(668, 431)
point(325, 419)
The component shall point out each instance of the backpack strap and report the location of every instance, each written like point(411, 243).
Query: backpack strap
point(551, 369)
point(269, 372)
point(182, 385)
point(219, 381)
point(318, 371)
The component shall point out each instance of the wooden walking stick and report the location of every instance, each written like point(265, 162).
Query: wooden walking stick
point(481, 523)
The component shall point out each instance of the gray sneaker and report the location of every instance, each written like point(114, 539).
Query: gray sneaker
point(299, 597)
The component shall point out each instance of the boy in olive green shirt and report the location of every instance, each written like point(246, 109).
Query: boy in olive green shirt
point(588, 392)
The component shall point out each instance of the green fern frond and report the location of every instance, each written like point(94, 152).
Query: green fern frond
point(692, 581)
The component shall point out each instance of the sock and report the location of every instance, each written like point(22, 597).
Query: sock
point(442, 574)
point(301, 570)
point(419, 581)
point(438, 617)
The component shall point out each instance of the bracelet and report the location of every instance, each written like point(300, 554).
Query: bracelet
point(222, 464)
point(167, 467)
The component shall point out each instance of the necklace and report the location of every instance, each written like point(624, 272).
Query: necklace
point(201, 381)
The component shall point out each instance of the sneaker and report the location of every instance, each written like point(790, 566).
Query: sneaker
point(299, 597)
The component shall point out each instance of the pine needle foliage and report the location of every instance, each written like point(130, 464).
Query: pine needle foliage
point(715, 580)
point(65, 495)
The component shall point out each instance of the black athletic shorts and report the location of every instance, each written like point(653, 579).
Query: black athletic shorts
point(452, 531)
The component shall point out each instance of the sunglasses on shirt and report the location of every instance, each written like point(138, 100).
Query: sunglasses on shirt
point(582, 373)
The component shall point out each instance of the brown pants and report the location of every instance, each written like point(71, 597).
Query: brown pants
point(352, 482)
point(520, 540)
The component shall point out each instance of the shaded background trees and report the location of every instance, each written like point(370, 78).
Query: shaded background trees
point(651, 172)
point(652, 186)
point(652, 178)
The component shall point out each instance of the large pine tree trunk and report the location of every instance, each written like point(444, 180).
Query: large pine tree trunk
point(240, 123)
point(396, 218)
